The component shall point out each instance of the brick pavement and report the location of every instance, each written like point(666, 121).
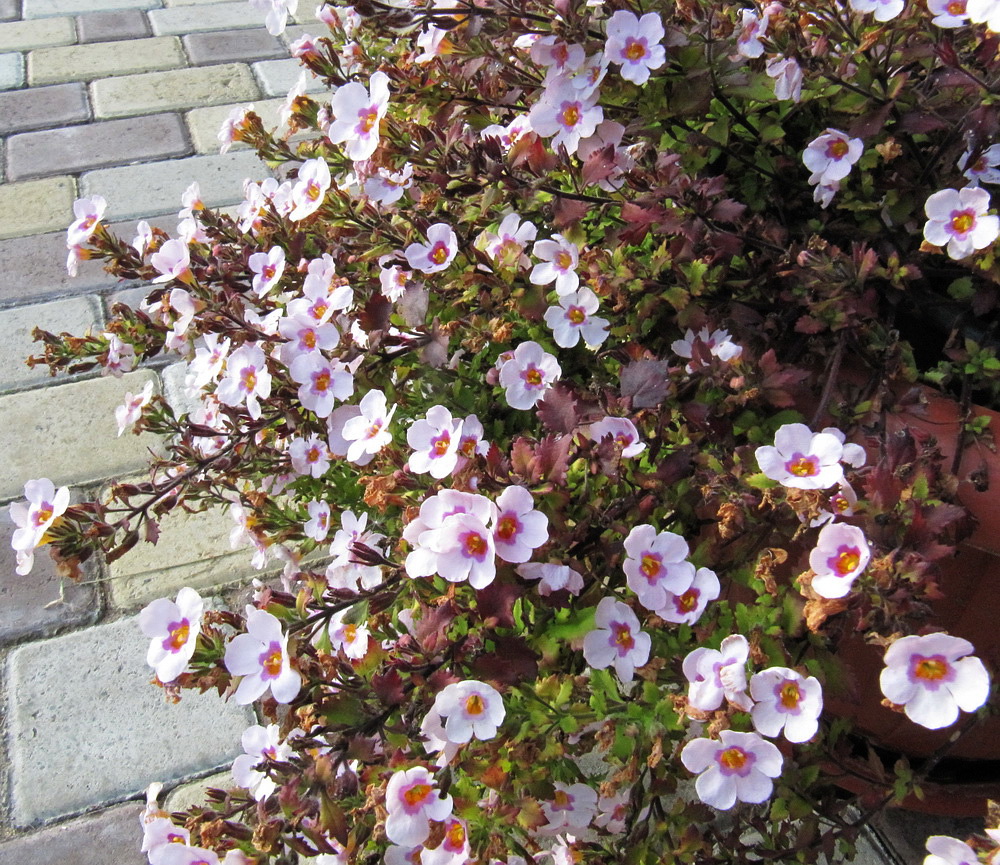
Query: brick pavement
point(121, 98)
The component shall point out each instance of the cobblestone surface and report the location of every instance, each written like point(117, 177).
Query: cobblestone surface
point(40, 107)
point(102, 59)
point(111, 837)
point(36, 206)
point(22, 35)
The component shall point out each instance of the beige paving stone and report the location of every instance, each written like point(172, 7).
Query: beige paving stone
point(47, 8)
point(68, 433)
point(103, 59)
point(74, 315)
point(183, 797)
point(22, 35)
point(135, 191)
point(204, 123)
point(234, 15)
point(36, 206)
point(173, 89)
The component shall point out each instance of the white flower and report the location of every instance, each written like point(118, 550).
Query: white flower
point(552, 577)
point(634, 44)
point(574, 318)
point(368, 432)
point(435, 440)
point(787, 75)
point(737, 767)
point(958, 219)
point(617, 641)
point(566, 114)
point(342, 572)
point(945, 850)
point(830, 156)
point(34, 517)
point(412, 800)
point(126, 415)
point(840, 555)
point(518, 528)
point(312, 184)
point(309, 456)
point(572, 808)
point(622, 430)
point(687, 607)
point(260, 656)
point(986, 169)
point(437, 253)
point(802, 459)
point(246, 379)
point(528, 373)
point(454, 848)
point(350, 637)
point(932, 678)
point(718, 343)
point(318, 524)
point(506, 247)
point(752, 28)
point(260, 744)
point(885, 10)
point(88, 213)
point(559, 258)
point(786, 701)
point(717, 675)
point(173, 628)
point(655, 565)
point(984, 12)
point(358, 114)
point(474, 710)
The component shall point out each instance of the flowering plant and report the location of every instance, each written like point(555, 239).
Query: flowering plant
point(532, 376)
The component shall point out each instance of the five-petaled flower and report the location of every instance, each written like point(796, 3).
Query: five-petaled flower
point(634, 44)
point(715, 675)
point(786, 701)
point(412, 800)
point(246, 379)
point(260, 744)
point(656, 565)
point(437, 253)
point(617, 641)
point(933, 677)
point(527, 374)
point(840, 555)
point(359, 112)
point(802, 459)
point(261, 657)
point(958, 219)
point(830, 156)
point(44, 507)
point(735, 767)
point(474, 710)
point(571, 808)
point(574, 318)
point(518, 529)
point(173, 628)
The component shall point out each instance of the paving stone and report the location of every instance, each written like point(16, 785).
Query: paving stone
point(294, 32)
point(112, 26)
point(41, 107)
point(36, 206)
point(29, 605)
point(228, 46)
point(306, 12)
point(169, 91)
point(110, 836)
point(46, 8)
point(68, 433)
point(73, 315)
point(21, 35)
point(234, 15)
point(171, 3)
point(87, 728)
point(102, 59)
point(94, 145)
point(11, 71)
point(188, 795)
point(204, 123)
point(34, 268)
point(156, 187)
point(10, 10)
point(277, 77)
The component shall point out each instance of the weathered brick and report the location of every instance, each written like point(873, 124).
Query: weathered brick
point(234, 15)
point(226, 46)
point(11, 71)
point(73, 315)
point(68, 433)
point(36, 206)
point(10, 10)
point(94, 145)
point(41, 107)
point(156, 187)
point(204, 123)
point(169, 91)
point(86, 727)
point(21, 35)
point(277, 77)
point(30, 606)
point(47, 8)
point(112, 26)
point(102, 59)
point(109, 836)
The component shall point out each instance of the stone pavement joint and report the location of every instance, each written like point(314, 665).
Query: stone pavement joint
point(95, 145)
point(10, 10)
point(112, 26)
point(41, 107)
point(102, 59)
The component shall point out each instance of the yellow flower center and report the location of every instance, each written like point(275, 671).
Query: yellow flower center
point(417, 794)
point(687, 602)
point(441, 445)
point(650, 566)
point(368, 120)
point(475, 544)
point(507, 527)
point(564, 261)
point(733, 759)
point(272, 663)
point(309, 340)
point(790, 695)
point(623, 636)
point(533, 377)
point(313, 190)
point(635, 50)
point(576, 315)
point(837, 149)
point(570, 115)
point(561, 801)
point(802, 467)
point(249, 380)
point(439, 255)
point(847, 561)
point(43, 514)
point(179, 635)
point(932, 669)
point(475, 705)
point(963, 222)
point(350, 633)
point(322, 382)
point(456, 835)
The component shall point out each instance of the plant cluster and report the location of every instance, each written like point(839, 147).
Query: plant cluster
point(554, 375)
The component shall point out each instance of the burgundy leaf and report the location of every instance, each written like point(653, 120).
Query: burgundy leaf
point(645, 381)
point(513, 662)
point(558, 409)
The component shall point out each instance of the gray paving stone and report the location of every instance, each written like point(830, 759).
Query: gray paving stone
point(226, 46)
point(188, 795)
point(306, 12)
point(76, 423)
point(110, 837)
point(36, 206)
point(21, 35)
point(11, 70)
point(10, 10)
point(34, 268)
point(73, 315)
point(112, 26)
point(95, 145)
point(173, 90)
point(46, 8)
point(204, 123)
point(195, 19)
point(87, 728)
point(25, 610)
point(277, 77)
point(156, 187)
point(42, 107)
point(103, 59)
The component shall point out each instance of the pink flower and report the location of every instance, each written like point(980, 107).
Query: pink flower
point(559, 258)
point(358, 114)
point(474, 710)
point(840, 555)
point(173, 628)
point(454, 848)
point(128, 413)
point(655, 565)
point(932, 678)
point(572, 808)
point(574, 318)
point(557, 55)
point(752, 28)
point(310, 456)
point(312, 184)
point(321, 382)
point(830, 156)
point(412, 800)
point(737, 767)
point(528, 374)
point(260, 745)
point(634, 44)
point(260, 656)
point(34, 517)
point(720, 675)
point(802, 459)
point(246, 379)
point(617, 641)
point(437, 253)
point(566, 114)
point(506, 247)
point(173, 261)
point(552, 577)
point(787, 75)
point(88, 212)
point(623, 431)
point(688, 606)
point(958, 219)
point(518, 528)
point(885, 10)
point(368, 432)
point(786, 701)
point(435, 440)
